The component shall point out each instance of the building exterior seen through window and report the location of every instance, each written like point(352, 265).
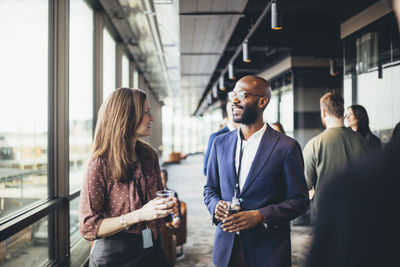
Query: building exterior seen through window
point(125, 71)
point(23, 104)
point(80, 90)
point(109, 55)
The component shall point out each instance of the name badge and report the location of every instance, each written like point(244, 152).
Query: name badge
point(147, 238)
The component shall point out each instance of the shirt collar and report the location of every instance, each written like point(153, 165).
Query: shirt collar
point(257, 135)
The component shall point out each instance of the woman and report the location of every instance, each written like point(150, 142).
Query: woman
point(118, 208)
point(395, 140)
point(357, 120)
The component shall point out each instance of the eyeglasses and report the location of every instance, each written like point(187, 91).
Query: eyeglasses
point(240, 95)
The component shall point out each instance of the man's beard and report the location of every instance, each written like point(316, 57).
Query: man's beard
point(249, 114)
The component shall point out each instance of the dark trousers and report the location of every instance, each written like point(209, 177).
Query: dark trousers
point(126, 250)
point(237, 257)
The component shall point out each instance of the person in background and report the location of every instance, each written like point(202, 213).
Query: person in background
point(332, 150)
point(118, 207)
point(230, 126)
point(358, 223)
point(278, 127)
point(395, 140)
point(176, 221)
point(357, 119)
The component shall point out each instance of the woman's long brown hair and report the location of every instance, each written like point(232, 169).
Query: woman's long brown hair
point(118, 119)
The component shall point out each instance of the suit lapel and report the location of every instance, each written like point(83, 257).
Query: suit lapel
point(229, 156)
point(264, 150)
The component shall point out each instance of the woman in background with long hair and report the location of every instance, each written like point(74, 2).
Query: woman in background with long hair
point(118, 207)
point(357, 119)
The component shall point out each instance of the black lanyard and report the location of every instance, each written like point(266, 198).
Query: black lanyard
point(237, 187)
point(143, 198)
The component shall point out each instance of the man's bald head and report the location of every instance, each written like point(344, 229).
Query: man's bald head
point(255, 85)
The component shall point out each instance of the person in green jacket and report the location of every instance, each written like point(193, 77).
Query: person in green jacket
point(336, 148)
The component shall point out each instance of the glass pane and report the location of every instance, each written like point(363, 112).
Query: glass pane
point(74, 220)
point(270, 114)
point(379, 112)
point(286, 112)
point(80, 89)
point(23, 103)
point(367, 52)
point(108, 63)
point(395, 43)
point(384, 49)
point(348, 90)
point(28, 247)
point(349, 56)
point(135, 78)
point(125, 71)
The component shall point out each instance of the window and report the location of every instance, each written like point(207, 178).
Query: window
point(270, 114)
point(384, 43)
point(286, 111)
point(395, 42)
point(74, 221)
point(125, 71)
point(109, 57)
point(349, 55)
point(367, 52)
point(80, 90)
point(377, 65)
point(28, 247)
point(135, 78)
point(24, 71)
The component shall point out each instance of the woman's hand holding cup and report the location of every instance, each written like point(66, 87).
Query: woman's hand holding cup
point(166, 193)
point(158, 208)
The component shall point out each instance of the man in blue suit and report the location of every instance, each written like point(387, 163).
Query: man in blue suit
point(262, 168)
point(230, 126)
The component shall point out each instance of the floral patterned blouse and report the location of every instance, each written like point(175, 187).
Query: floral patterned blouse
point(104, 197)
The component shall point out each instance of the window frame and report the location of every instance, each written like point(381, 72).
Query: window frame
point(57, 204)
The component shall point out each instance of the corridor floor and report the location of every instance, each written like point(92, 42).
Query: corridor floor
point(188, 180)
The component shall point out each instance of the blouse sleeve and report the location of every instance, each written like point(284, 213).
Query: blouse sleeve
point(92, 203)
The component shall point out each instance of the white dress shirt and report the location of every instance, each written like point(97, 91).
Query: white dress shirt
point(249, 152)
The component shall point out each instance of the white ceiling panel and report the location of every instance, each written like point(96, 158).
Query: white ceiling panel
point(187, 25)
point(237, 6)
point(221, 5)
point(203, 38)
point(204, 5)
point(187, 6)
point(200, 31)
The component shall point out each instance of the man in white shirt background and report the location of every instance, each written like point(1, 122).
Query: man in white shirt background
point(230, 126)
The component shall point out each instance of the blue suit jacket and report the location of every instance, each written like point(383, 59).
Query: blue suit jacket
point(210, 142)
point(275, 186)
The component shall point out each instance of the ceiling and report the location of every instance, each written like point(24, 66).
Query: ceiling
point(205, 29)
point(183, 46)
point(310, 28)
